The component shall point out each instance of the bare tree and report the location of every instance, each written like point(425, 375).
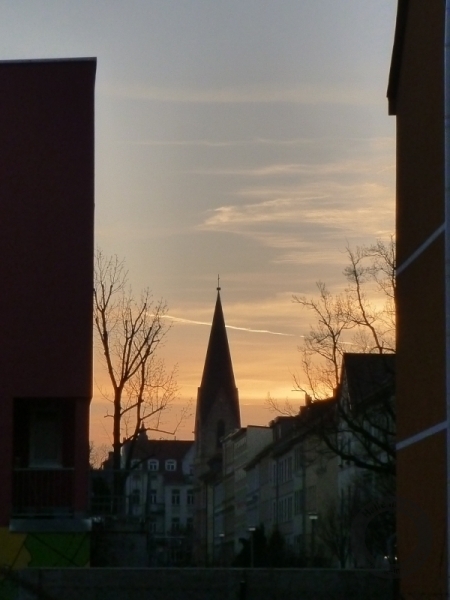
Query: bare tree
point(338, 517)
point(323, 345)
point(130, 332)
point(361, 319)
point(334, 527)
point(97, 454)
point(372, 272)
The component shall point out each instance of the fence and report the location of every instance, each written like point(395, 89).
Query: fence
point(204, 584)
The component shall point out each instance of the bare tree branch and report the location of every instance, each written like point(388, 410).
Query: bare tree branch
point(361, 319)
point(130, 332)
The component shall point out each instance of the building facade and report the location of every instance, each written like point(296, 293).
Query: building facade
point(155, 512)
point(47, 216)
point(232, 507)
point(305, 478)
point(419, 100)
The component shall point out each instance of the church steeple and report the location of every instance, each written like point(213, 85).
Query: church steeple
point(217, 401)
point(217, 415)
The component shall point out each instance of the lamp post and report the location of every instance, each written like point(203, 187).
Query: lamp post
point(252, 549)
point(221, 538)
point(313, 518)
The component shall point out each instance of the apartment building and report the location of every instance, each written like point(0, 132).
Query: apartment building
point(47, 217)
point(232, 518)
point(157, 503)
point(310, 474)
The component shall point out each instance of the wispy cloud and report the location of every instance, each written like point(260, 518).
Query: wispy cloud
point(328, 204)
point(316, 211)
point(301, 94)
point(356, 168)
point(192, 322)
point(223, 143)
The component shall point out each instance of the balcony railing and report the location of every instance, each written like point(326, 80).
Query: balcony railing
point(43, 492)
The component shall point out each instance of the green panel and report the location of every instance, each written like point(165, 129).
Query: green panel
point(58, 549)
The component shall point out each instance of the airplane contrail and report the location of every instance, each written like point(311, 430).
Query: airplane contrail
point(191, 322)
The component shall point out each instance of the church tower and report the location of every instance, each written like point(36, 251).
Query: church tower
point(217, 415)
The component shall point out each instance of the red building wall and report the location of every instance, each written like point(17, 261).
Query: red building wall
point(46, 248)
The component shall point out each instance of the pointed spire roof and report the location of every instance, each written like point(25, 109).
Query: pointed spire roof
point(218, 375)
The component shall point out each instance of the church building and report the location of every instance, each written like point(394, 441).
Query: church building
point(217, 415)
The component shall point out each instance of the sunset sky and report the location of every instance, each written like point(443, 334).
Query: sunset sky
point(246, 138)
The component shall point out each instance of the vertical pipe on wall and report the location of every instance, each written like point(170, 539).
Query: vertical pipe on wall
point(447, 255)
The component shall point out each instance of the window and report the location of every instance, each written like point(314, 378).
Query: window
point(152, 496)
point(289, 468)
point(135, 497)
point(189, 523)
point(298, 502)
point(297, 459)
point(283, 509)
point(171, 465)
point(289, 508)
point(220, 432)
point(190, 497)
point(45, 437)
point(175, 524)
point(153, 464)
point(175, 497)
point(135, 502)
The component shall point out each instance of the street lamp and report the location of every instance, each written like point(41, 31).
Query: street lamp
point(313, 518)
point(221, 538)
point(252, 549)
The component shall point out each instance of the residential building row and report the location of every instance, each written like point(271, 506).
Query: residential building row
point(298, 476)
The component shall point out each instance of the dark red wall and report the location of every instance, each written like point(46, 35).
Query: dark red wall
point(46, 242)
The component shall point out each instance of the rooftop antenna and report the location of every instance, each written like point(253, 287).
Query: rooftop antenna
point(218, 283)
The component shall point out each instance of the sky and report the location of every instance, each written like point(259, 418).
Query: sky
point(246, 138)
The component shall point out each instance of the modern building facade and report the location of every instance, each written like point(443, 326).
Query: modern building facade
point(47, 219)
point(419, 99)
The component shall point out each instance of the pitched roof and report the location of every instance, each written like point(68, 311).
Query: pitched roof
point(161, 449)
point(368, 374)
point(218, 375)
point(397, 53)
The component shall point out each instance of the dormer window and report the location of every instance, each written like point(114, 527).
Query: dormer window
point(171, 465)
point(153, 464)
